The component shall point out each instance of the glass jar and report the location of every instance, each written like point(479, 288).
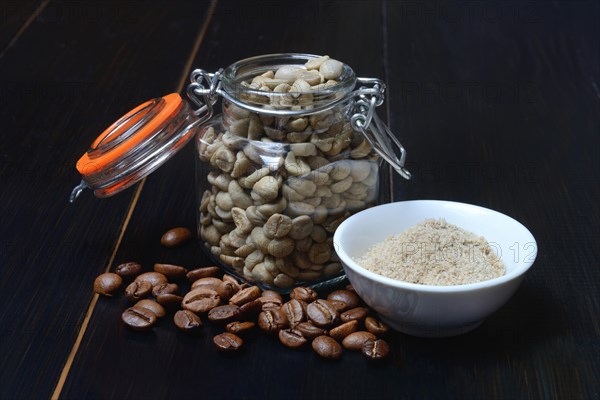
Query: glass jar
point(280, 170)
point(277, 172)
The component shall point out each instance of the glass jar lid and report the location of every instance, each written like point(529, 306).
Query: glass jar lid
point(135, 145)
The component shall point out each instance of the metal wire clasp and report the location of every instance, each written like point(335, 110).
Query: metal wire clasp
point(203, 91)
point(364, 119)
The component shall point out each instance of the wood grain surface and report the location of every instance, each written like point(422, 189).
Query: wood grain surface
point(79, 65)
point(497, 104)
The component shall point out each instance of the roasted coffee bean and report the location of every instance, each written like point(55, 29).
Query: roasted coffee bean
point(294, 311)
point(245, 295)
point(343, 330)
point(165, 288)
point(187, 321)
point(173, 272)
point(376, 349)
point(350, 288)
point(292, 338)
point(228, 342)
point(151, 305)
point(375, 326)
point(309, 330)
point(355, 314)
point(269, 303)
point(176, 237)
point(250, 310)
point(128, 270)
point(224, 289)
point(138, 319)
point(356, 340)
point(240, 328)
point(170, 301)
point(153, 278)
point(327, 347)
point(224, 314)
point(204, 272)
point(107, 284)
point(201, 300)
point(322, 313)
point(227, 290)
point(338, 305)
point(351, 299)
point(138, 290)
point(272, 295)
point(230, 280)
point(272, 321)
point(208, 281)
point(303, 293)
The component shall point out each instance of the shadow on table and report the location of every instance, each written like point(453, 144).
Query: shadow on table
point(531, 317)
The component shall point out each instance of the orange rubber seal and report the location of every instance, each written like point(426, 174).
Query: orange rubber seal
point(123, 136)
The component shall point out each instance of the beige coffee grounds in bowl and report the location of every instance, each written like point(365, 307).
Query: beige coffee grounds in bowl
point(434, 252)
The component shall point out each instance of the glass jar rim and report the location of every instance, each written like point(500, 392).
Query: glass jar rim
point(246, 69)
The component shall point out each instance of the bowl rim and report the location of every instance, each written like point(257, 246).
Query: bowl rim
point(347, 261)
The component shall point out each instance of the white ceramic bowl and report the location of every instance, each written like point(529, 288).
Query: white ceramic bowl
point(427, 310)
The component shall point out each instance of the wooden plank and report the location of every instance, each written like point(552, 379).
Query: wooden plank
point(78, 66)
point(168, 199)
point(15, 18)
point(497, 105)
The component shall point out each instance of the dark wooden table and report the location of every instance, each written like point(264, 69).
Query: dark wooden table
point(497, 104)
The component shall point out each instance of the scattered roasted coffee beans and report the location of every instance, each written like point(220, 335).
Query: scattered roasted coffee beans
point(303, 293)
point(304, 318)
point(271, 294)
point(226, 290)
point(187, 321)
point(269, 303)
point(107, 284)
point(322, 313)
point(138, 319)
point(170, 300)
point(129, 270)
point(356, 340)
point(355, 314)
point(151, 305)
point(208, 281)
point(173, 272)
point(375, 326)
point(153, 278)
point(245, 295)
point(176, 237)
point(291, 338)
point(164, 288)
point(250, 310)
point(228, 342)
point(339, 306)
point(224, 314)
point(327, 347)
point(138, 290)
point(295, 312)
point(350, 299)
point(309, 330)
point(272, 321)
point(230, 280)
point(343, 330)
point(376, 349)
point(201, 300)
point(240, 328)
point(204, 272)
